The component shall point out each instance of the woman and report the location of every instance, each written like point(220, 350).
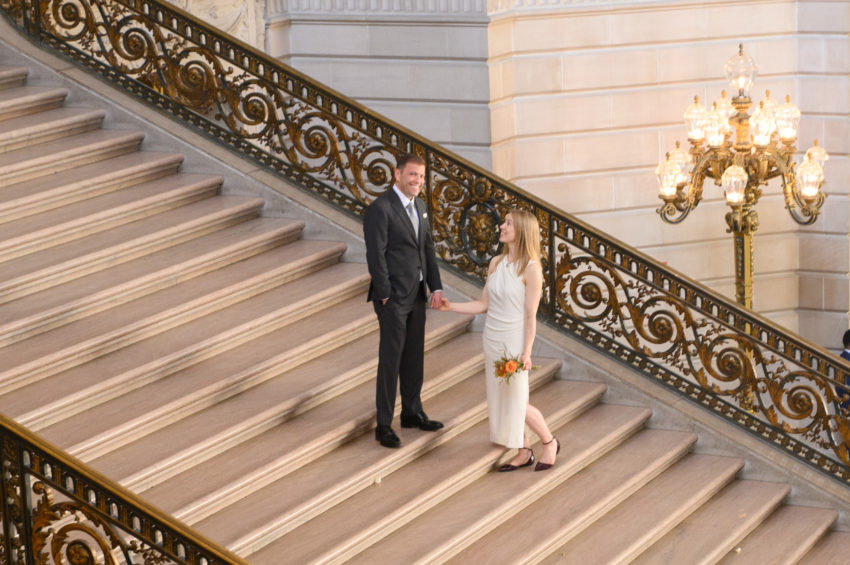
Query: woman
point(510, 298)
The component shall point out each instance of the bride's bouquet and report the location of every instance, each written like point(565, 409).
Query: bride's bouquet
point(508, 366)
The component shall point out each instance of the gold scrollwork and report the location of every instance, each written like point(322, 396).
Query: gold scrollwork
point(71, 533)
point(253, 108)
point(729, 365)
point(12, 503)
point(468, 210)
point(15, 9)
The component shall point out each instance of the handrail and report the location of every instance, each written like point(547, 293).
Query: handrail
point(612, 297)
point(57, 510)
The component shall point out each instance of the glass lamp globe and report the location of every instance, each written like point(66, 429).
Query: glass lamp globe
point(769, 105)
point(725, 108)
point(682, 160)
point(809, 179)
point(787, 120)
point(695, 117)
point(668, 174)
point(716, 126)
point(734, 181)
point(762, 125)
point(724, 105)
point(817, 154)
point(741, 71)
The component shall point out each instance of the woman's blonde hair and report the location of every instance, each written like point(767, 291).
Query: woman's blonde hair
point(527, 239)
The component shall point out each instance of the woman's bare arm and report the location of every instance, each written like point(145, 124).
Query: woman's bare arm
point(533, 291)
point(473, 307)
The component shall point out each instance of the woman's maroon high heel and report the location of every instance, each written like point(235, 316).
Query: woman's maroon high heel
point(507, 467)
point(541, 466)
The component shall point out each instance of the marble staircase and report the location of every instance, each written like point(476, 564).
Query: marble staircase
point(219, 364)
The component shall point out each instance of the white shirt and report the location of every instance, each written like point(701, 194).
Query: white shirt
point(405, 201)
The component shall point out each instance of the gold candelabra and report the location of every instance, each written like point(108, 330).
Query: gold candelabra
point(742, 153)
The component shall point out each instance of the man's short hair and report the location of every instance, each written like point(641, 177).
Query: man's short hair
point(847, 339)
point(406, 158)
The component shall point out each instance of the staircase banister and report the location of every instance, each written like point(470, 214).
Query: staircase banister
point(36, 472)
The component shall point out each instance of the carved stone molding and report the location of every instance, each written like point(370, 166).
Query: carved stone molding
point(502, 6)
point(386, 9)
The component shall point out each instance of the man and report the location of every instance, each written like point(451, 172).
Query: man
point(401, 259)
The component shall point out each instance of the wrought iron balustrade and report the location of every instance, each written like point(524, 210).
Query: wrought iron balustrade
point(57, 511)
point(620, 301)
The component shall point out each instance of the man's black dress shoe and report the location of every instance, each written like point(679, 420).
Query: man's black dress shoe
point(386, 436)
point(420, 421)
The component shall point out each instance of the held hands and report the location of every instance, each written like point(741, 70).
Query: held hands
point(445, 305)
point(437, 299)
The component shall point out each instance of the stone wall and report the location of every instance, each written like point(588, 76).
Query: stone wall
point(244, 20)
point(587, 96)
point(421, 63)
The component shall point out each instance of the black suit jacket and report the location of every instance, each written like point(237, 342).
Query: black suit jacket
point(393, 252)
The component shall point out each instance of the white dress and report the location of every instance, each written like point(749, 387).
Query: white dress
point(504, 332)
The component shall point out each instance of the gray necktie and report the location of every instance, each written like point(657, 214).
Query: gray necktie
point(414, 218)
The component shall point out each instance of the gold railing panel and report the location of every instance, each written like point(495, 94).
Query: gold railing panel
point(56, 511)
point(614, 298)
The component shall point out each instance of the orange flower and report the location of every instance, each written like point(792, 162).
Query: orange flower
point(507, 366)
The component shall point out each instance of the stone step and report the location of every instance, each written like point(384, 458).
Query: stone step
point(650, 513)
point(293, 390)
point(135, 412)
point(449, 364)
point(71, 152)
point(11, 77)
point(785, 537)
point(830, 550)
point(265, 515)
point(405, 500)
point(470, 513)
point(31, 129)
point(549, 520)
point(22, 100)
point(46, 193)
point(99, 334)
point(294, 441)
point(101, 213)
point(209, 433)
point(183, 234)
point(717, 526)
point(60, 305)
point(61, 396)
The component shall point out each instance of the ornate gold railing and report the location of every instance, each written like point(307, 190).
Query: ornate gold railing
point(673, 330)
point(57, 511)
